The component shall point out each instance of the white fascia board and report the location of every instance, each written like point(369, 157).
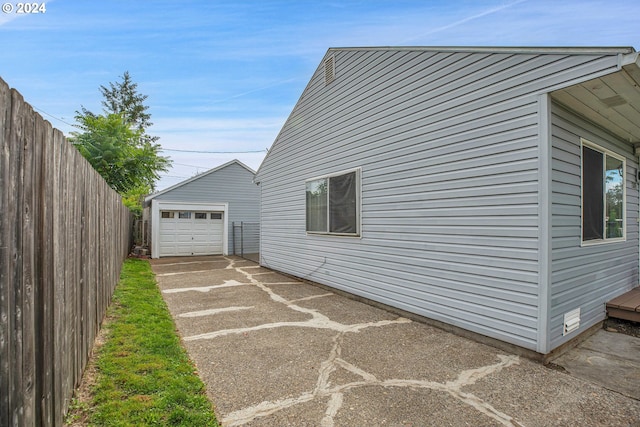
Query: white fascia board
point(631, 64)
point(167, 205)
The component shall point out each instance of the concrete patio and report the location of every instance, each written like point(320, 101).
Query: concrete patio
point(274, 351)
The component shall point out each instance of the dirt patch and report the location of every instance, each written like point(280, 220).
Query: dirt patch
point(80, 408)
point(626, 327)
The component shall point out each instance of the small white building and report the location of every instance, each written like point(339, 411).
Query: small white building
point(196, 216)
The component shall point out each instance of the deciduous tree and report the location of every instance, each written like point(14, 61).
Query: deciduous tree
point(116, 142)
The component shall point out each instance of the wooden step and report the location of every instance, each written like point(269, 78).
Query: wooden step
point(626, 306)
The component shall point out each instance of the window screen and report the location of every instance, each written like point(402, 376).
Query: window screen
point(603, 194)
point(342, 204)
point(332, 204)
point(592, 191)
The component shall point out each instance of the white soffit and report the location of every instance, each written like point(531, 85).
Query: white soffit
point(612, 101)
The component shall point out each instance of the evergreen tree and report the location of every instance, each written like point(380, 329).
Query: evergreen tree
point(116, 143)
point(123, 98)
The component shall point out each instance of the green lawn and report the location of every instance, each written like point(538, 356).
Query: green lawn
point(143, 375)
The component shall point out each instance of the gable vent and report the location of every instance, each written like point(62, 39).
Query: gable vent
point(329, 70)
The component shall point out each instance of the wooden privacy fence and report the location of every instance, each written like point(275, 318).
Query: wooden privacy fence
point(63, 237)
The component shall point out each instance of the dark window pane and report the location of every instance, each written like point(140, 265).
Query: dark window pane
point(343, 204)
point(592, 194)
point(216, 215)
point(201, 215)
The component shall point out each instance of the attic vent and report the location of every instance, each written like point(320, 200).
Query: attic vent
point(571, 321)
point(329, 70)
point(614, 101)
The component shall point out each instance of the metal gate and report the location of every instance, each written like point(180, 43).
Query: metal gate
point(246, 239)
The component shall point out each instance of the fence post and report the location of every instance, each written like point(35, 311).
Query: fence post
point(233, 236)
point(242, 239)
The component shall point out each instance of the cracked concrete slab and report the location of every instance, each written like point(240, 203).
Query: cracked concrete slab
point(277, 352)
point(609, 359)
point(432, 352)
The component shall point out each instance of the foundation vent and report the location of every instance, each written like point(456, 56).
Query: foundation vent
point(329, 70)
point(571, 321)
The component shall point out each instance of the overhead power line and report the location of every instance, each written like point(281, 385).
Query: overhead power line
point(52, 116)
point(213, 152)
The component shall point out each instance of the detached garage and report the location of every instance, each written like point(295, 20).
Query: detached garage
point(196, 216)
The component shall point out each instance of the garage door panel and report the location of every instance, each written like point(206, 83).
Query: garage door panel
point(191, 235)
point(185, 227)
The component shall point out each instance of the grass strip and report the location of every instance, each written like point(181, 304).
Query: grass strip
point(144, 376)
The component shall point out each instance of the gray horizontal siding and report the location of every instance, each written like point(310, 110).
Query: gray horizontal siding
point(232, 184)
point(585, 277)
point(447, 143)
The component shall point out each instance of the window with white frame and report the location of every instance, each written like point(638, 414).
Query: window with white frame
point(603, 194)
point(333, 204)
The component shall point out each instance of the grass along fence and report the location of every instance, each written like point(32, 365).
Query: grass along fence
point(140, 375)
point(63, 237)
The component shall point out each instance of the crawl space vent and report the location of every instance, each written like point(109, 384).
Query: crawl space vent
point(329, 70)
point(571, 321)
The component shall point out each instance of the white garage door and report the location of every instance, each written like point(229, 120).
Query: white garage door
point(191, 233)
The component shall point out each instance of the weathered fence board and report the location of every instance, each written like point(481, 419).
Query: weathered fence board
point(6, 234)
point(63, 236)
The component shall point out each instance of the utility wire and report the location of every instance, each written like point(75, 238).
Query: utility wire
point(52, 116)
point(212, 152)
point(167, 149)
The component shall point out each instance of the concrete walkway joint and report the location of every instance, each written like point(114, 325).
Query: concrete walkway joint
point(347, 381)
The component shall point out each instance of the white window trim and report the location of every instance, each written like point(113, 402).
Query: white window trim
point(604, 241)
point(358, 233)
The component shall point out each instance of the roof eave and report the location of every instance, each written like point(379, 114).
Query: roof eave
point(568, 50)
point(631, 64)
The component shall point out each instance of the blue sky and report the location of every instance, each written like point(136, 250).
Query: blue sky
point(224, 75)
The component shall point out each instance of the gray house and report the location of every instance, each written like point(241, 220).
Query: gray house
point(493, 189)
point(196, 216)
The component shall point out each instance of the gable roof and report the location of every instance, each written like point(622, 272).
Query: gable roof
point(202, 175)
point(618, 122)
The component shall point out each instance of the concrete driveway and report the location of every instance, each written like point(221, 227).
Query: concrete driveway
point(277, 352)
